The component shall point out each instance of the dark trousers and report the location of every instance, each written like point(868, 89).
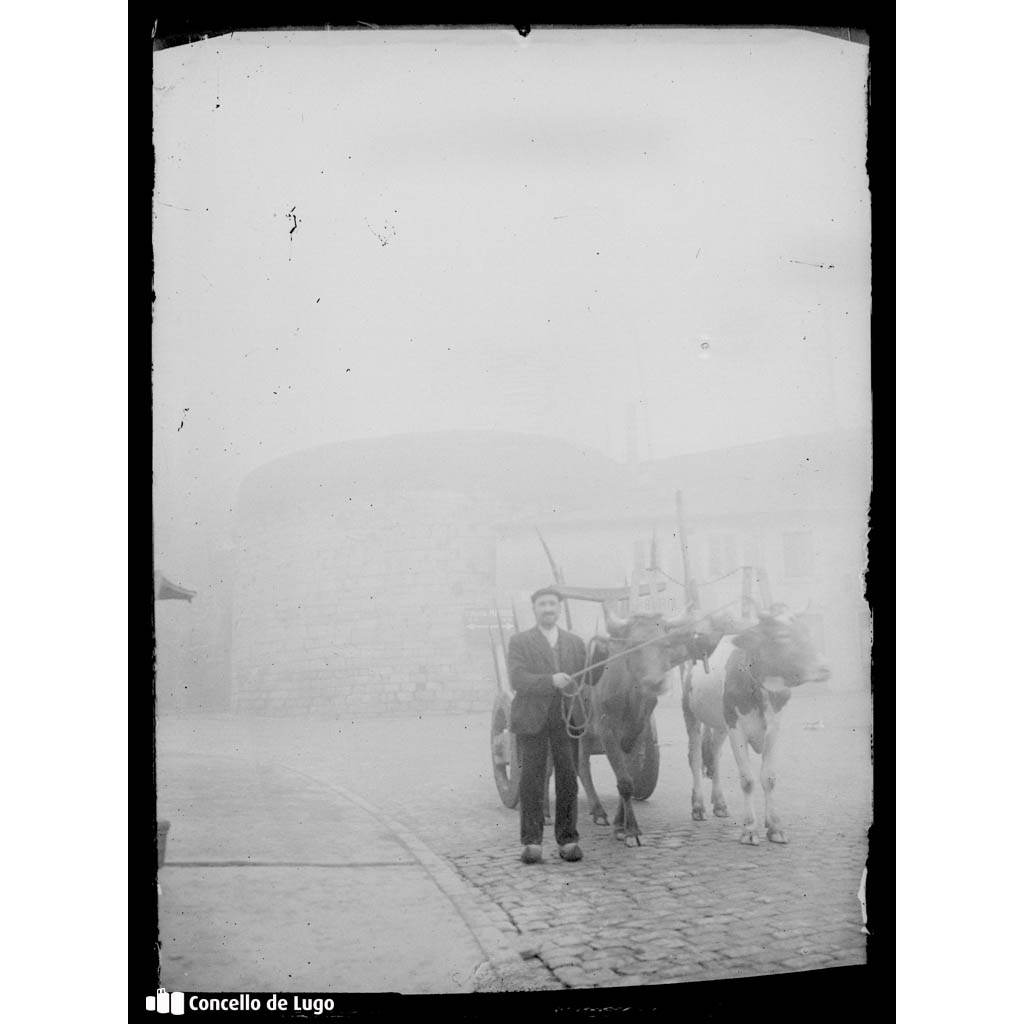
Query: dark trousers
point(533, 779)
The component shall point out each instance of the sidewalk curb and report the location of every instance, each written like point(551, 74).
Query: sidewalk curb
point(502, 963)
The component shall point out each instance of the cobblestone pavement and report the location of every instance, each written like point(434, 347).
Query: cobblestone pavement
point(692, 903)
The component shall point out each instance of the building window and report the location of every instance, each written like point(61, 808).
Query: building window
point(798, 554)
point(721, 554)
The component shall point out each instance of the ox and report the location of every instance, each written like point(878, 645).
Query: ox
point(740, 694)
point(621, 698)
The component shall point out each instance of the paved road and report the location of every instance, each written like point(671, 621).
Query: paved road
point(274, 882)
point(692, 903)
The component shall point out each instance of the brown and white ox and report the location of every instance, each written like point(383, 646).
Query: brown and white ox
point(622, 699)
point(739, 691)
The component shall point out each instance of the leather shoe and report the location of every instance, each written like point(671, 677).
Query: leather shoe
point(531, 855)
point(571, 851)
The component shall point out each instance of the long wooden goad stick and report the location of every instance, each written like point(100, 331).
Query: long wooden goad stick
point(501, 631)
point(559, 578)
point(494, 656)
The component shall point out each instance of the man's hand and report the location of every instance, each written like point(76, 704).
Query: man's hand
point(561, 680)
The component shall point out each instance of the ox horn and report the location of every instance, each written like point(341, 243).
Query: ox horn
point(682, 619)
point(615, 624)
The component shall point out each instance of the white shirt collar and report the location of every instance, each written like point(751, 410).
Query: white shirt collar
point(551, 634)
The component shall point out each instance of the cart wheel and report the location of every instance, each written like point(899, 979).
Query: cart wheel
point(504, 753)
point(650, 761)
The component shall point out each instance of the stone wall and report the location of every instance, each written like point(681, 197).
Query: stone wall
point(360, 608)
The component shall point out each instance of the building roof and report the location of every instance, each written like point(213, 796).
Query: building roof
point(518, 471)
point(824, 474)
point(821, 472)
point(535, 480)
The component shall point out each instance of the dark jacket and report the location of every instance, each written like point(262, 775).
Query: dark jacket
point(531, 664)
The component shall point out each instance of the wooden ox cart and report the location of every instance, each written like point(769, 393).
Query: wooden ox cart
point(625, 599)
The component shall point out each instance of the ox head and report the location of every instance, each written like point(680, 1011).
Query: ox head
point(781, 646)
point(650, 640)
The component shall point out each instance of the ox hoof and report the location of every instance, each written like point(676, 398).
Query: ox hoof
point(635, 836)
point(620, 834)
point(600, 818)
point(721, 811)
point(749, 838)
point(776, 835)
point(697, 813)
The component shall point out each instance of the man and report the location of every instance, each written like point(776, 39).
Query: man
point(541, 663)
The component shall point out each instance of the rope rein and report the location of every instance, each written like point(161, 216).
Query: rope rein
point(616, 656)
point(569, 703)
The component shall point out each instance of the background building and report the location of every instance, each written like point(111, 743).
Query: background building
point(796, 509)
point(365, 575)
point(365, 569)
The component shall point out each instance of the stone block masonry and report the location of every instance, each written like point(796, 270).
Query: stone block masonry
point(359, 608)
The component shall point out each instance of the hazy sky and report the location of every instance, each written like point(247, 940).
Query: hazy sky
point(502, 233)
